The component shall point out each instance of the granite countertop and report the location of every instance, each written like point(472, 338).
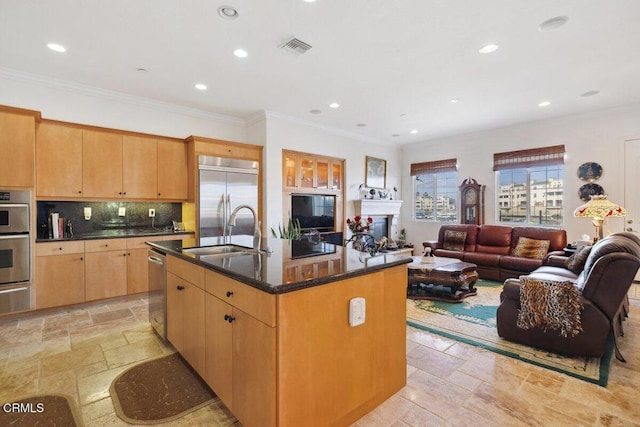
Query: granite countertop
point(119, 234)
point(283, 265)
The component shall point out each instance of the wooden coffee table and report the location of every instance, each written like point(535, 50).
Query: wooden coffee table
point(447, 279)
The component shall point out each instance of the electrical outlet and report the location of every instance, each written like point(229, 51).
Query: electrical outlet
point(122, 211)
point(152, 213)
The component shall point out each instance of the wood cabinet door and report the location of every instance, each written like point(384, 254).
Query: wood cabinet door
point(137, 271)
point(139, 167)
point(218, 348)
point(59, 280)
point(102, 164)
point(17, 145)
point(106, 274)
point(172, 170)
point(254, 371)
point(175, 315)
point(193, 300)
point(58, 161)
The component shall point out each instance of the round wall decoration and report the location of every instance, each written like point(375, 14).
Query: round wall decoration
point(589, 171)
point(588, 190)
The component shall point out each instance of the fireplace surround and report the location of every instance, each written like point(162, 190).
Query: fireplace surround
point(389, 209)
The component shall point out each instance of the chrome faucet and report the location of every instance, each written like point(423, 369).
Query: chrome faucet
point(256, 225)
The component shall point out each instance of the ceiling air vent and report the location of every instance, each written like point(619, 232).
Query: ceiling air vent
point(296, 46)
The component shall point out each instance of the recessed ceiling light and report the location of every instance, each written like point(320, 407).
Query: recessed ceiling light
point(228, 12)
point(590, 93)
point(56, 47)
point(553, 23)
point(315, 111)
point(544, 104)
point(200, 86)
point(334, 105)
point(455, 100)
point(309, 1)
point(414, 131)
point(361, 125)
point(240, 53)
point(488, 48)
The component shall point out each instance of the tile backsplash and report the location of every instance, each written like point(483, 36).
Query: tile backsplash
point(105, 215)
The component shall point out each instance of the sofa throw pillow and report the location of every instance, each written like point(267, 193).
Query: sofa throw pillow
point(531, 248)
point(454, 240)
point(576, 261)
point(547, 304)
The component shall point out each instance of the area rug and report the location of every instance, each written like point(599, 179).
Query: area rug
point(163, 390)
point(473, 321)
point(45, 410)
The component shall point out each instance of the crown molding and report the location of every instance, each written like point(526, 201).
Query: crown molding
point(339, 132)
point(52, 83)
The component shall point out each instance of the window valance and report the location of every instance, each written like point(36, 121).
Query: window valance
point(552, 155)
point(448, 165)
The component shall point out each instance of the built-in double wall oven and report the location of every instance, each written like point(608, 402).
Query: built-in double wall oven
point(15, 243)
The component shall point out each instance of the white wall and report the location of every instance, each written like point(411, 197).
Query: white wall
point(89, 106)
point(285, 133)
point(593, 137)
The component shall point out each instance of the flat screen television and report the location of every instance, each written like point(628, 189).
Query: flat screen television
point(314, 211)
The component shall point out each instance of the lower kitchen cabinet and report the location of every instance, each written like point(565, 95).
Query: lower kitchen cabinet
point(106, 269)
point(59, 274)
point(186, 318)
point(137, 263)
point(240, 352)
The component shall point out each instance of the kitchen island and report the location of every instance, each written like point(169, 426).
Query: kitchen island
point(270, 331)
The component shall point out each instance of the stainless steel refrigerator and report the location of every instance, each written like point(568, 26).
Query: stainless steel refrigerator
point(224, 185)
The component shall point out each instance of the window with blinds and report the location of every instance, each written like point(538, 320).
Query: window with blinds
point(530, 186)
point(435, 189)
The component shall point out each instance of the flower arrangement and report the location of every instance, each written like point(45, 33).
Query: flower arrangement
point(359, 224)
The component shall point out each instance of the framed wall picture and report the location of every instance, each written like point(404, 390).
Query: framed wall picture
point(376, 173)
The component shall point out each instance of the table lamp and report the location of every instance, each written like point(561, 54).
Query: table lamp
point(599, 208)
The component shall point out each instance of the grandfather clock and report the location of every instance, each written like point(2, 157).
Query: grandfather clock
point(471, 202)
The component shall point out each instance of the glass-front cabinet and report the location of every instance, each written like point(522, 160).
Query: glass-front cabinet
point(303, 171)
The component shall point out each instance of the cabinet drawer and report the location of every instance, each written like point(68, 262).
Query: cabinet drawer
point(105, 245)
point(139, 242)
point(252, 301)
point(186, 270)
point(59, 248)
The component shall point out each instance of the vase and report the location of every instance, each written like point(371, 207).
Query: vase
point(362, 242)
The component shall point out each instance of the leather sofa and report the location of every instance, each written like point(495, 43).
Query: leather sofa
point(492, 247)
point(602, 283)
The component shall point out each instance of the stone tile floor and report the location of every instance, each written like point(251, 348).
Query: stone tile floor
point(79, 351)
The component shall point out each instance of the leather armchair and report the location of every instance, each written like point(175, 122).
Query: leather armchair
point(604, 282)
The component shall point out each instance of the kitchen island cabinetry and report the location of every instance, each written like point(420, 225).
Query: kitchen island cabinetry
point(17, 145)
point(60, 270)
point(240, 348)
point(281, 353)
point(186, 311)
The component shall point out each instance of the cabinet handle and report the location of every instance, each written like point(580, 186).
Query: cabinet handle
point(120, 193)
point(229, 294)
point(81, 258)
point(228, 318)
point(60, 248)
point(159, 194)
point(80, 192)
point(106, 245)
point(180, 288)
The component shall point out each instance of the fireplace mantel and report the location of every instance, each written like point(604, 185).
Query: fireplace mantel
point(369, 207)
point(375, 207)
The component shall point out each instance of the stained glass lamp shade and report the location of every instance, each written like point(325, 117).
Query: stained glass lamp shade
point(599, 208)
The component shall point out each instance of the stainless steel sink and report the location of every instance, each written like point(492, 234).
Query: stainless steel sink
point(220, 251)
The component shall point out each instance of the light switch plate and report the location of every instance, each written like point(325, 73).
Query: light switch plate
point(122, 211)
point(152, 213)
point(357, 311)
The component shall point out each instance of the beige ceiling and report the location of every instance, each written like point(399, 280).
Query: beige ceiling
point(393, 65)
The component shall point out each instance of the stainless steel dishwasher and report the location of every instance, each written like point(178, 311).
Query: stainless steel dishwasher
point(158, 293)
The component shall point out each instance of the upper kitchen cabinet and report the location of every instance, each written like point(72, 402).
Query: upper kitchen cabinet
point(311, 173)
point(76, 162)
point(58, 160)
point(140, 167)
point(102, 164)
point(17, 142)
point(172, 170)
